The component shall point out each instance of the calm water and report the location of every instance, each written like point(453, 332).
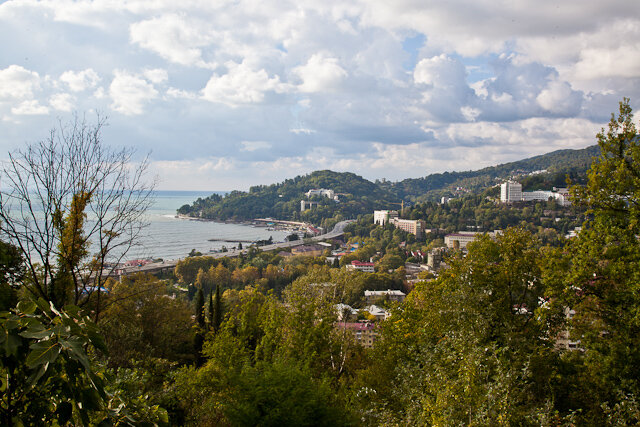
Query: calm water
point(168, 237)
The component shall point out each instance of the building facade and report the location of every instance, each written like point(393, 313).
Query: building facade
point(510, 192)
point(382, 217)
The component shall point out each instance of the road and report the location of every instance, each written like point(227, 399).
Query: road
point(155, 267)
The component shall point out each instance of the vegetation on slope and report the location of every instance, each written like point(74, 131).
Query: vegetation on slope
point(359, 196)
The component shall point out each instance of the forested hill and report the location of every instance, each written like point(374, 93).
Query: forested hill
point(558, 164)
point(357, 195)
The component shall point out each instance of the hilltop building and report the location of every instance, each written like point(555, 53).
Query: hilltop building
point(465, 237)
point(383, 217)
point(511, 191)
point(322, 192)
point(415, 227)
point(367, 267)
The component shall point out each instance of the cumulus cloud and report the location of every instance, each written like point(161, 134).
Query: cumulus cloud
point(62, 102)
point(241, 85)
point(322, 72)
point(29, 108)
point(177, 38)
point(558, 97)
point(18, 83)
point(408, 83)
point(130, 93)
point(156, 75)
point(81, 80)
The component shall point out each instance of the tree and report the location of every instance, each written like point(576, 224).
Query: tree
point(471, 347)
point(199, 308)
point(141, 321)
point(613, 184)
point(74, 207)
point(12, 271)
point(601, 280)
point(217, 311)
point(46, 376)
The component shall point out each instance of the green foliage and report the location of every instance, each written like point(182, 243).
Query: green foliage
point(12, 272)
point(141, 320)
point(282, 394)
point(558, 164)
point(470, 347)
point(602, 278)
point(46, 374)
point(283, 200)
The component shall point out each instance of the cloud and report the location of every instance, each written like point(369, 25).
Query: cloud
point(29, 108)
point(321, 73)
point(82, 80)
point(177, 38)
point(254, 145)
point(62, 102)
point(156, 75)
point(130, 93)
point(558, 98)
point(18, 83)
point(241, 85)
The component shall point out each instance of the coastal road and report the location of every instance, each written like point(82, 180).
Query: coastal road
point(155, 267)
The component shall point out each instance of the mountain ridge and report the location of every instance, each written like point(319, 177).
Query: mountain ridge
point(357, 195)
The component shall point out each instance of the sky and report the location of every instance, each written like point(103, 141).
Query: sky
point(227, 94)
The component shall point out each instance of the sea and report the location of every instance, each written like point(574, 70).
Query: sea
point(169, 237)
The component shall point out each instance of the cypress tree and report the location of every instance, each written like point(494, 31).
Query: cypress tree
point(200, 308)
point(217, 311)
point(211, 309)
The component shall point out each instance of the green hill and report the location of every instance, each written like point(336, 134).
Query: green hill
point(558, 164)
point(357, 195)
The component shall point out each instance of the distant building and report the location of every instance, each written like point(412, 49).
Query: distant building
point(367, 267)
point(413, 226)
point(305, 204)
point(383, 217)
point(510, 192)
point(464, 238)
point(392, 295)
point(364, 333)
point(434, 258)
point(378, 312)
point(345, 312)
point(538, 195)
point(321, 192)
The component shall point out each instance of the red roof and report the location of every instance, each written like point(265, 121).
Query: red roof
point(362, 264)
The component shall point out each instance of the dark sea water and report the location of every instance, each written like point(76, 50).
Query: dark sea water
point(169, 237)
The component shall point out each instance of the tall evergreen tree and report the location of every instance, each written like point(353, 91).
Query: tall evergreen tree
point(217, 311)
point(211, 309)
point(199, 308)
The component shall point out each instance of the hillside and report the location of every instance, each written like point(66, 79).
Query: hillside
point(558, 164)
point(357, 195)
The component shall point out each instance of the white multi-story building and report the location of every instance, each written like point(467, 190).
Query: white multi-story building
point(382, 217)
point(465, 237)
point(413, 226)
point(510, 192)
point(530, 196)
point(321, 192)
